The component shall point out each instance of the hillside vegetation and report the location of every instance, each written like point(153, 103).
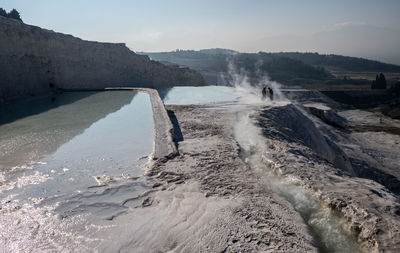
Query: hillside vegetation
point(288, 68)
point(14, 14)
point(341, 62)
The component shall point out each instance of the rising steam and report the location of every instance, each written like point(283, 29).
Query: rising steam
point(250, 85)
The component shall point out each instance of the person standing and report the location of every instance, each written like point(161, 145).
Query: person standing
point(264, 93)
point(271, 93)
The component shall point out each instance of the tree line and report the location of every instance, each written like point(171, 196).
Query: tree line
point(343, 62)
point(14, 14)
point(380, 82)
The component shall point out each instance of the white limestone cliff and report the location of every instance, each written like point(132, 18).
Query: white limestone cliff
point(32, 60)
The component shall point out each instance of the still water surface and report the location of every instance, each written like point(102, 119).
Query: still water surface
point(197, 95)
point(81, 155)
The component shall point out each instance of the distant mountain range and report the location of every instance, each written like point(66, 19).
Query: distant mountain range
point(291, 68)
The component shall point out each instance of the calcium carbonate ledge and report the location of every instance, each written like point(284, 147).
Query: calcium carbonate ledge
point(164, 146)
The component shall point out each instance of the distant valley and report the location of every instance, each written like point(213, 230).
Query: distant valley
point(310, 70)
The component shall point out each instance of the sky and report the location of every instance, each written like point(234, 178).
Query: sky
point(362, 28)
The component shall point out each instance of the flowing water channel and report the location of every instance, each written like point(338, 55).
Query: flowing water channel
point(326, 228)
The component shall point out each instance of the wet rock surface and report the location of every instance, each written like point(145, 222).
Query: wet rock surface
point(369, 141)
point(254, 217)
point(364, 194)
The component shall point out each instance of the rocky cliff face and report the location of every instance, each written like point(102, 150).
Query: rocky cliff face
point(32, 60)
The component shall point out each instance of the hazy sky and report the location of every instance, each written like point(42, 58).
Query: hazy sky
point(367, 28)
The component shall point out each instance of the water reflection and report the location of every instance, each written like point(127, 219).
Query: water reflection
point(163, 92)
point(37, 105)
point(93, 175)
point(32, 130)
point(197, 95)
point(100, 165)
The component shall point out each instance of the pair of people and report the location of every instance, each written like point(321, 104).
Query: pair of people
point(264, 93)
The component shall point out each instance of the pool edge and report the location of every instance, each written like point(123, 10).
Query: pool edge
point(163, 142)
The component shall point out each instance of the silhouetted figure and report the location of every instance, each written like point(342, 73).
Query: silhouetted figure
point(271, 93)
point(383, 81)
point(264, 93)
